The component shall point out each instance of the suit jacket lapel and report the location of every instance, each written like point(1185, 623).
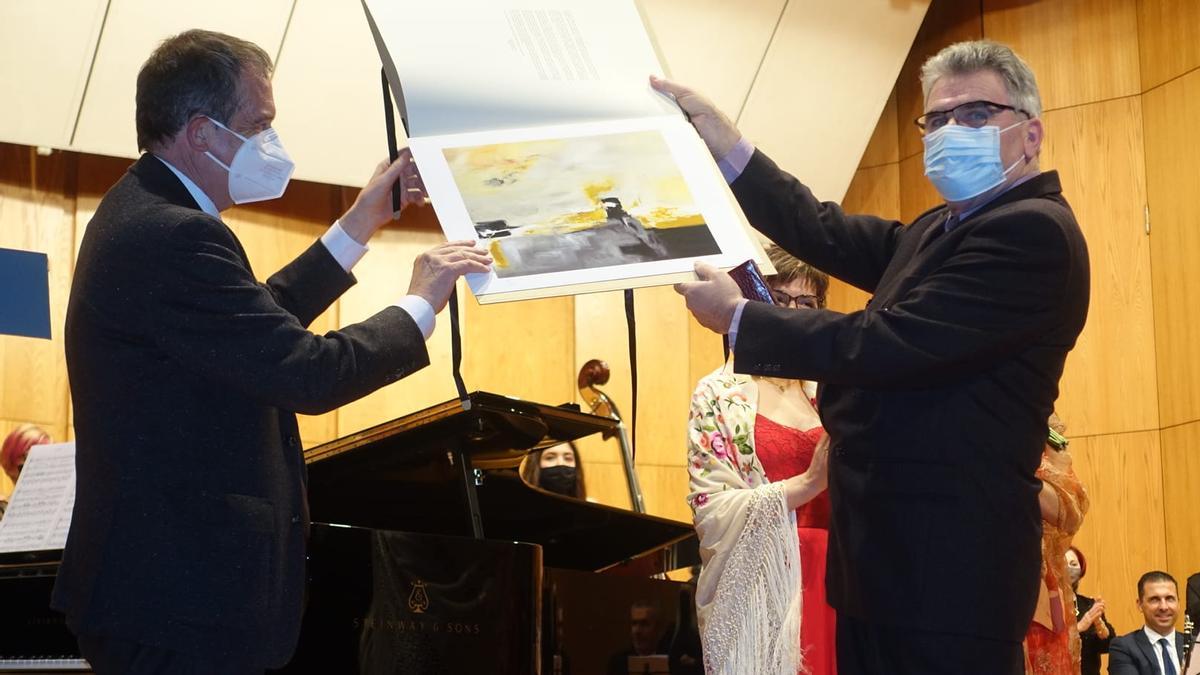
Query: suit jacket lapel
point(933, 231)
point(1147, 650)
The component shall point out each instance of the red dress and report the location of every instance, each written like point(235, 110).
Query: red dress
point(785, 452)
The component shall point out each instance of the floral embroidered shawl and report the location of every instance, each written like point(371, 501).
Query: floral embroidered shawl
point(748, 595)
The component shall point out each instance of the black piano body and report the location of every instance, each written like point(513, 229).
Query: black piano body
point(430, 554)
point(400, 580)
point(33, 637)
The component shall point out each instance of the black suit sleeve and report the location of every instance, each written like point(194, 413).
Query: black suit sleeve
point(855, 249)
point(952, 324)
point(208, 312)
point(1121, 659)
point(318, 274)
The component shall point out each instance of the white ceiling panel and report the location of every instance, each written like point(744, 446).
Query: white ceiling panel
point(827, 75)
point(46, 48)
point(132, 30)
point(713, 46)
point(328, 95)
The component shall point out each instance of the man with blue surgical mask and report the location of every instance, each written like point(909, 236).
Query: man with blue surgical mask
point(935, 395)
point(186, 551)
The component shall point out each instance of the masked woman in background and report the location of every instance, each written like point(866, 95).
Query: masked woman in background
point(757, 462)
point(557, 469)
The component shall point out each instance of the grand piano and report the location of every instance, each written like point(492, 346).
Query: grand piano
point(429, 554)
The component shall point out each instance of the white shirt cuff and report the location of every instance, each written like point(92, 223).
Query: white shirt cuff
point(342, 247)
point(421, 312)
point(733, 323)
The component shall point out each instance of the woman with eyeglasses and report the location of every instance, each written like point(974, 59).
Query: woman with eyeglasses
point(757, 461)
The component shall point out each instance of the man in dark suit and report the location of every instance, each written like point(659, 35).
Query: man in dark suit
point(936, 395)
point(186, 549)
point(1155, 648)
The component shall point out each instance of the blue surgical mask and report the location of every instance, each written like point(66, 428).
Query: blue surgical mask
point(964, 162)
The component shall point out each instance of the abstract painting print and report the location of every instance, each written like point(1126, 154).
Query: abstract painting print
point(585, 202)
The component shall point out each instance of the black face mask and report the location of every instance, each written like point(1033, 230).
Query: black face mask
point(560, 479)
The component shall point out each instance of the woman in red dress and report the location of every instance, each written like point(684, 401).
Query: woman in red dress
point(757, 463)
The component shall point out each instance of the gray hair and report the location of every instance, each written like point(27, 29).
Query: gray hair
point(964, 58)
point(194, 73)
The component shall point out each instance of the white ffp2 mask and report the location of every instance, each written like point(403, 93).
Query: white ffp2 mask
point(260, 169)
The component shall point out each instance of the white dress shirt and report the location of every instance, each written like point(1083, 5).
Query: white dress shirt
point(344, 249)
point(1154, 637)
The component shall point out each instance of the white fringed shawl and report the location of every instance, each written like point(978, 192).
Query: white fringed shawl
point(748, 596)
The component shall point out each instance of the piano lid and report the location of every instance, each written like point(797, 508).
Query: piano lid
point(402, 475)
point(496, 431)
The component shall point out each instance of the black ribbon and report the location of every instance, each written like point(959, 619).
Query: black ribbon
point(631, 323)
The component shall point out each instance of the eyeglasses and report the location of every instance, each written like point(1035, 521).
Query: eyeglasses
point(972, 114)
point(801, 301)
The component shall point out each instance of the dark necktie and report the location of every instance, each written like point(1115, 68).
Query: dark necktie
point(1168, 664)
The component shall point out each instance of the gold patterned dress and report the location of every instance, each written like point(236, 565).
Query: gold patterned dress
point(1052, 642)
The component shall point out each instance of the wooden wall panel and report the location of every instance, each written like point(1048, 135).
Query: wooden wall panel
point(884, 146)
point(946, 22)
point(1167, 39)
point(1181, 484)
point(664, 389)
point(1081, 51)
point(705, 351)
point(523, 349)
point(606, 484)
point(1103, 178)
point(1123, 534)
point(37, 204)
point(917, 194)
point(665, 491)
point(1172, 143)
point(874, 191)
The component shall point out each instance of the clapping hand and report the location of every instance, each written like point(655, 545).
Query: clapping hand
point(1089, 617)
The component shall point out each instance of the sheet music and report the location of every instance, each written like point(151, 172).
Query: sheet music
point(39, 513)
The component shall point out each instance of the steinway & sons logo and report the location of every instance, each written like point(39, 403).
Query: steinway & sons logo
point(418, 599)
point(418, 603)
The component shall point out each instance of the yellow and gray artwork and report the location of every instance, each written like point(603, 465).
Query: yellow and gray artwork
point(579, 203)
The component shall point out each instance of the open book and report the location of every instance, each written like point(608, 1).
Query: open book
point(537, 133)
